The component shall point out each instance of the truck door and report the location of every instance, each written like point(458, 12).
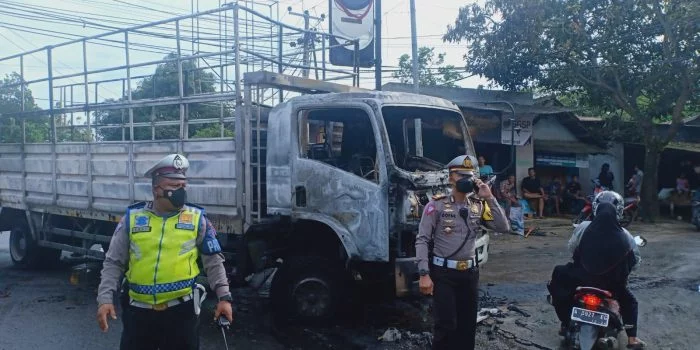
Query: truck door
point(340, 177)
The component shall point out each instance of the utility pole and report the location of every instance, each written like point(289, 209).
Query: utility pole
point(416, 86)
point(307, 37)
point(378, 45)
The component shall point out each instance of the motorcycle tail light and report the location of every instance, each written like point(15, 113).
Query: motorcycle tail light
point(591, 301)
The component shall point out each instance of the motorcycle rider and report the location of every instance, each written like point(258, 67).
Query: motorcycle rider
point(604, 254)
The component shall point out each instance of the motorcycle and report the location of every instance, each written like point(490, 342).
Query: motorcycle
point(595, 320)
point(587, 212)
point(595, 317)
point(629, 213)
point(696, 209)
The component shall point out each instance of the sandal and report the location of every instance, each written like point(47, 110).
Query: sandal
point(638, 345)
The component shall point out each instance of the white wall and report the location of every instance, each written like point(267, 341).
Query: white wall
point(616, 161)
point(549, 128)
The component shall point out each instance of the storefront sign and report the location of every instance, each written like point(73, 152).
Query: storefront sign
point(580, 161)
point(523, 130)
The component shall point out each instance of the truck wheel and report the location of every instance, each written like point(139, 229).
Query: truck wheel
point(26, 253)
point(307, 289)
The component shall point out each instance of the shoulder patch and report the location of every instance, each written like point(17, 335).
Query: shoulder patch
point(196, 207)
point(138, 205)
point(486, 215)
point(429, 208)
point(439, 196)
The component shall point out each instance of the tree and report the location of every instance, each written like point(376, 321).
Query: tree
point(164, 83)
point(431, 70)
point(636, 57)
point(37, 130)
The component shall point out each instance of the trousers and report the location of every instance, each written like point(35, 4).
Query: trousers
point(455, 304)
point(175, 328)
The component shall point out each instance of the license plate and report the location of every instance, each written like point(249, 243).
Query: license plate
point(590, 317)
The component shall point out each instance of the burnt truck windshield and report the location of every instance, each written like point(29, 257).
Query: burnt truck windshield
point(442, 136)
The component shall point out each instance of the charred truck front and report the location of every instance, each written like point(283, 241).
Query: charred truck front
point(349, 175)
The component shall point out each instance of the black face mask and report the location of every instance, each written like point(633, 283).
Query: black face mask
point(176, 197)
point(465, 185)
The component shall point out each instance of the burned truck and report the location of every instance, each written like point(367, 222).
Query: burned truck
point(326, 190)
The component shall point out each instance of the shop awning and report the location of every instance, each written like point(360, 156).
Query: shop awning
point(685, 146)
point(574, 147)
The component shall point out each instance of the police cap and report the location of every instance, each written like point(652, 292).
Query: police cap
point(172, 166)
point(464, 165)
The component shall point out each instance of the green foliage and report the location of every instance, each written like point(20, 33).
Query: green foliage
point(431, 70)
point(638, 56)
point(37, 130)
point(163, 83)
point(212, 131)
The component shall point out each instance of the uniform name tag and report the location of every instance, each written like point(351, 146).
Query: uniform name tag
point(184, 226)
point(138, 229)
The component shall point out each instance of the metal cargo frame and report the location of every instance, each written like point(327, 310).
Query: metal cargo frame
point(40, 175)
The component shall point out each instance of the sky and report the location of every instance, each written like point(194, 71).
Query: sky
point(432, 21)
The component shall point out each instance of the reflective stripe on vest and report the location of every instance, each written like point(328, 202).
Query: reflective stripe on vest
point(162, 254)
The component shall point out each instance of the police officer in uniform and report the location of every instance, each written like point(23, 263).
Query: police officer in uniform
point(157, 244)
point(451, 272)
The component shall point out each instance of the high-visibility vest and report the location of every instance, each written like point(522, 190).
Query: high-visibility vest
point(162, 253)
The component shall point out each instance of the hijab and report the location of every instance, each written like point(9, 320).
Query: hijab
point(604, 244)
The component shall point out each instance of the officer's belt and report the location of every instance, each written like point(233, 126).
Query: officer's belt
point(161, 306)
point(460, 265)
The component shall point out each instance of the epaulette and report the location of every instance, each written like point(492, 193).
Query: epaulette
point(137, 205)
point(196, 207)
point(439, 196)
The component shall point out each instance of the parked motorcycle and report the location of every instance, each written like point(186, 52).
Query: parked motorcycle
point(631, 211)
point(587, 212)
point(629, 214)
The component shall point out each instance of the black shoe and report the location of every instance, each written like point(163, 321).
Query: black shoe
point(563, 329)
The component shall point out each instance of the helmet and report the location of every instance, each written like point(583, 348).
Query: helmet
point(611, 197)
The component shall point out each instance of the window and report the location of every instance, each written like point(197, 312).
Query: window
point(443, 137)
point(340, 137)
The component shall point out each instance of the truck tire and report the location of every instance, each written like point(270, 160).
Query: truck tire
point(26, 253)
point(308, 289)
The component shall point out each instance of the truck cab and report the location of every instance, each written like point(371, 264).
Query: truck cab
point(359, 167)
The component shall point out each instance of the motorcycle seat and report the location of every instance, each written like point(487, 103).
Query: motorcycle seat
point(581, 290)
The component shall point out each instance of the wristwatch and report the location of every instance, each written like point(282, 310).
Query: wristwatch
point(226, 297)
point(423, 272)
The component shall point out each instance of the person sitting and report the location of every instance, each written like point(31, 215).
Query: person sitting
point(573, 196)
point(506, 194)
point(533, 192)
point(682, 185)
point(604, 254)
point(554, 192)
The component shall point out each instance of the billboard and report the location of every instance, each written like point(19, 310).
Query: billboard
point(352, 19)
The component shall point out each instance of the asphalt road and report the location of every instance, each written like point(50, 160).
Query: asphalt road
point(42, 310)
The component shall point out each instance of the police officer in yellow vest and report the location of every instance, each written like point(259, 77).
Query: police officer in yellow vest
point(156, 246)
point(451, 273)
